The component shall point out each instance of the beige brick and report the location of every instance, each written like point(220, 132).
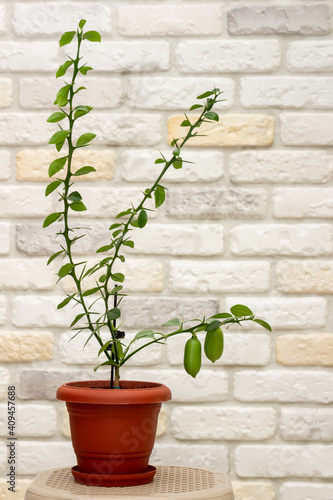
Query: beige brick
point(20, 488)
point(65, 429)
point(6, 92)
point(309, 349)
point(253, 490)
point(4, 382)
point(33, 164)
point(231, 130)
point(20, 346)
point(312, 276)
point(162, 423)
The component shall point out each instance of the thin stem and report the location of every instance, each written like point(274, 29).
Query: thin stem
point(67, 184)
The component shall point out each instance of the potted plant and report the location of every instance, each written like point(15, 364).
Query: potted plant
point(113, 422)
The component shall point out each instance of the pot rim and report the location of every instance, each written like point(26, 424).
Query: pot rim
point(84, 391)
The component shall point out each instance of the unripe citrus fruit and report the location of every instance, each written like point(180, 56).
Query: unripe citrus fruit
point(214, 344)
point(192, 356)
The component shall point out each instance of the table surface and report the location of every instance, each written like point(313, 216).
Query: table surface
point(170, 482)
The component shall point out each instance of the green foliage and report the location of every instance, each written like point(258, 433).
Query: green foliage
point(107, 289)
point(67, 38)
point(84, 171)
point(84, 139)
point(57, 165)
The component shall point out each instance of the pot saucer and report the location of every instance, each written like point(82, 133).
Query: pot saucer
point(114, 480)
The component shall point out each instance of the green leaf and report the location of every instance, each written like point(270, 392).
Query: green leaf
point(56, 117)
point(176, 152)
point(59, 137)
point(114, 226)
point(92, 36)
point(105, 248)
point(144, 334)
point(209, 104)
point(172, 322)
point(206, 94)
point(79, 89)
point(143, 218)
point(51, 218)
point(52, 187)
point(116, 289)
point(65, 302)
point(75, 196)
point(77, 318)
point(78, 206)
point(85, 138)
point(128, 243)
point(113, 314)
point(66, 269)
point(105, 346)
point(109, 362)
point(122, 214)
point(201, 328)
point(134, 223)
point(263, 323)
point(213, 325)
point(102, 278)
point(54, 256)
point(239, 310)
point(63, 68)
point(82, 23)
point(84, 171)
point(196, 106)
point(67, 38)
point(121, 258)
point(118, 277)
point(81, 111)
point(211, 115)
point(62, 95)
point(115, 233)
point(84, 69)
point(59, 146)
point(159, 195)
point(177, 163)
point(222, 315)
point(91, 291)
point(57, 165)
point(160, 160)
point(185, 123)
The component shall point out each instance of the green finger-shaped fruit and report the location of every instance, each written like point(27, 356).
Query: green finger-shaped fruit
point(214, 344)
point(192, 356)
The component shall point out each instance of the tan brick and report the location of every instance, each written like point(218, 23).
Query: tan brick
point(21, 486)
point(253, 490)
point(310, 276)
point(231, 130)
point(308, 349)
point(33, 164)
point(6, 92)
point(20, 346)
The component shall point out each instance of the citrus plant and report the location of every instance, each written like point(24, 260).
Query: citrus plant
point(108, 288)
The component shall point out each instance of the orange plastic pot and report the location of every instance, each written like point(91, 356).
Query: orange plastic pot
point(113, 430)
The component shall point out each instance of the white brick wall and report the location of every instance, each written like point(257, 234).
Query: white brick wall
point(250, 221)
